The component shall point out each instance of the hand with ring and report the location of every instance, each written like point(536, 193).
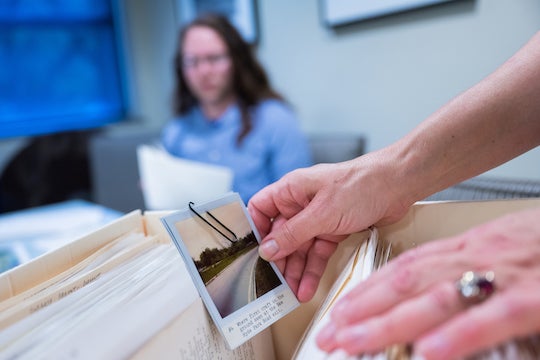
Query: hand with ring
point(449, 298)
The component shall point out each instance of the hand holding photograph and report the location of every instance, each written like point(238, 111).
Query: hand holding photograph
point(243, 293)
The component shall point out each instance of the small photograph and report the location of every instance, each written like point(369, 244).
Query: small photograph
point(218, 242)
point(241, 13)
point(223, 247)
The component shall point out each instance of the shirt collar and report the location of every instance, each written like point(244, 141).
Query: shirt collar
point(230, 116)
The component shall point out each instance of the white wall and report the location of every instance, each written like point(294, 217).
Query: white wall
point(382, 77)
point(150, 39)
point(379, 78)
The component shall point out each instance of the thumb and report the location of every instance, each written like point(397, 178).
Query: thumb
point(289, 235)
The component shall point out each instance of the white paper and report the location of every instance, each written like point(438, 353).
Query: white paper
point(169, 182)
point(360, 267)
point(126, 306)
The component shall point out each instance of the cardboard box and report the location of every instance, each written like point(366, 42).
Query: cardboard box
point(424, 222)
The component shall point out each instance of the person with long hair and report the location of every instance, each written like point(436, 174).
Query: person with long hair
point(226, 111)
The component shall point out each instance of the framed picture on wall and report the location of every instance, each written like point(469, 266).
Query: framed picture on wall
point(342, 12)
point(241, 13)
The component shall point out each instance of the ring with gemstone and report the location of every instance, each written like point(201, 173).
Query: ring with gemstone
point(475, 288)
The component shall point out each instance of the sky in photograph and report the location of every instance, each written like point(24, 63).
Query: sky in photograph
point(197, 235)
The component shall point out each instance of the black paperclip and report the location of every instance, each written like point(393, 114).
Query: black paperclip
point(233, 239)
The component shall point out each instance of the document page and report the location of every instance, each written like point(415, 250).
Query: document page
point(131, 298)
point(126, 305)
point(80, 275)
point(169, 182)
point(368, 257)
point(193, 335)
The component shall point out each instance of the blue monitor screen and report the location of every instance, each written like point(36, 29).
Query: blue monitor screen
point(61, 68)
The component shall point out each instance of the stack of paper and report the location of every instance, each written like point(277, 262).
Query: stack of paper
point(109, 306)
point(170, 183)
point(368, 257)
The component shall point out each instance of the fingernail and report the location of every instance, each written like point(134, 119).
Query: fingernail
point(417, 357)
point(268, 249)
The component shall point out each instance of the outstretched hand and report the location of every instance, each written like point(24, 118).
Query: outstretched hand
point(414, 298)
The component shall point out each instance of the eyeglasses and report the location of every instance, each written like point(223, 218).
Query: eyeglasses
point(191, 62)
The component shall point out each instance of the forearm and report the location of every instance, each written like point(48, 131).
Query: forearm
point(489, 124)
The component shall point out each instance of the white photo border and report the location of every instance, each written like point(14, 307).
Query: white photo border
point(246, 322)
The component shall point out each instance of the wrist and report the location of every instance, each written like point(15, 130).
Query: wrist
point(419, 168)
point(378, 172)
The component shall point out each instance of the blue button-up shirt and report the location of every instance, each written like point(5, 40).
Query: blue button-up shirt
point(274, 146)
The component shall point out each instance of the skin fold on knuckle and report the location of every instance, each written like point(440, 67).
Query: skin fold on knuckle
point(287, 241)
point(500, 243)
point(403, 279)
point(444, 299)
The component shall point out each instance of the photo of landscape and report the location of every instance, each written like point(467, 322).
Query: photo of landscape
point(223, 247)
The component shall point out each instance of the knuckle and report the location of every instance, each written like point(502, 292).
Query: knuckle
point(501, 242)
point(407, 258)
point(403, 282)
point(291, 241)
point(403, 279)
point(392, 331)
point(444, 298)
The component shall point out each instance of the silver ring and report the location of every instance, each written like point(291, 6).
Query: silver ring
point(475, 288)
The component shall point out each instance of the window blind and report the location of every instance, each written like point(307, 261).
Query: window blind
point(60, 66)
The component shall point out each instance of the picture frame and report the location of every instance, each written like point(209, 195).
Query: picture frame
point(241, 13)
point(342, 12)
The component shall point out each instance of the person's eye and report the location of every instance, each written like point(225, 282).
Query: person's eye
point(215, 58)
point(218, 58)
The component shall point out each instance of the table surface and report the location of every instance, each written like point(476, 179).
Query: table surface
point(28, 233)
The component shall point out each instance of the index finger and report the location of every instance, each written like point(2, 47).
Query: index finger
point(307, 224)
point(263, 210)
point(270, 202)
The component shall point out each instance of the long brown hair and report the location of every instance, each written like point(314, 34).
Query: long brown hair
point(250, 82)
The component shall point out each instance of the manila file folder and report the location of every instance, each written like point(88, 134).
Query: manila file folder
point(134, 306)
